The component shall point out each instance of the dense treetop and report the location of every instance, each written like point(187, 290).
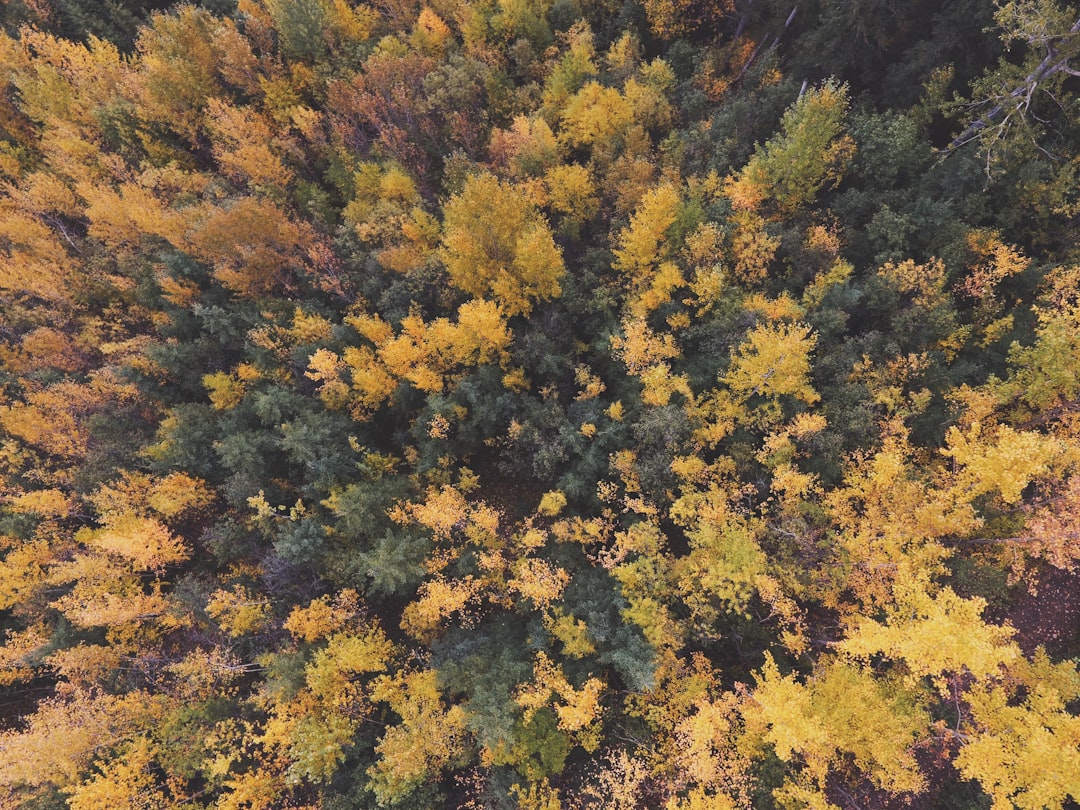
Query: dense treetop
point(539, 403)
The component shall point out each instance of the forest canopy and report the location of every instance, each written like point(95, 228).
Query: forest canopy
point(539, 404)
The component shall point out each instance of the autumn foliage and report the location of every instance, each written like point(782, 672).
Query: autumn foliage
point(565, 404)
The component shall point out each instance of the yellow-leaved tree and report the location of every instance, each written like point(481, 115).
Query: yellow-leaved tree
point(496, 243)
point(773, 363)
point(933, 634)
point(841, 711)
point(428, 738)
point(1023, 744)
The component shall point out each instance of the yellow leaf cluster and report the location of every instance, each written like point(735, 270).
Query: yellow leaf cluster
point(437, 599)
point(323, 616)
point(707, 756)
point(16, 653)
point(107, 593)
point(242, 146)
point(49, 503)
point(351, 652)
point(538, 580)
point(842, 710)
point(640, 243)
point(127, 781)
point(594, 115)
point(572, 192)
point(809, 153)
point(144, 542)
point(1000, 459)
point(226, 392)
point(422, 354)
point(934, 634)
point(994, 261)
point(774, 362)
point(578, 708)
point(65, 733)
point(571, 632)
point(640, 348)
point(238, 611)
point(1025, 755)
point(496, 243)
point(428, 738)
point(891, 519)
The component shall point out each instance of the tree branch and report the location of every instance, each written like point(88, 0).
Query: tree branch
point(1050, 65)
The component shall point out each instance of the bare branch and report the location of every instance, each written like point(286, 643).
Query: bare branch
point(1018, 100)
